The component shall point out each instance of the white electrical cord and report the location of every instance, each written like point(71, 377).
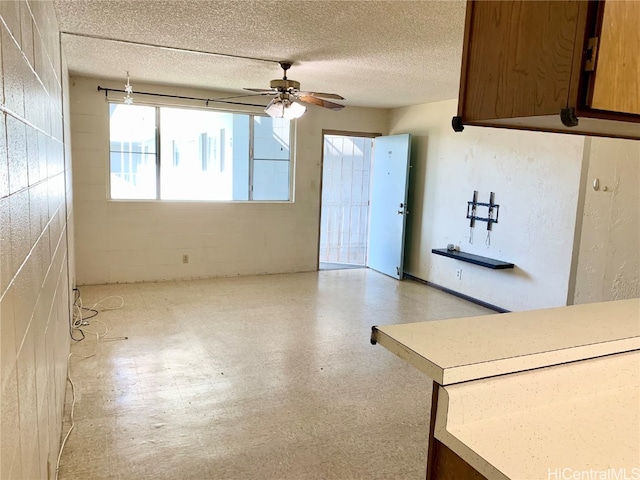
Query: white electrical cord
point(105, 307)
point(77, 323)
point(73, 407)
point(102, 335)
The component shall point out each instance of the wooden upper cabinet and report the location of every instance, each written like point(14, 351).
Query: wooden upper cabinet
point(616, 78)
point(562, 66)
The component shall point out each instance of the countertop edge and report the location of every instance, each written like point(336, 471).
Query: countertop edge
point(433, 371)
point(505, 366)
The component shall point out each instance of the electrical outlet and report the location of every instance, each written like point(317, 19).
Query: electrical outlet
point(185, 258)
point(459, 274)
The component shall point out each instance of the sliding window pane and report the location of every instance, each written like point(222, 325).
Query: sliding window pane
point(134, 126)
point(241, 157)
point(133, 175)
point(270, 180)
point(271, 162)
point(271, 138)
point(132, 135)
point(198, 154)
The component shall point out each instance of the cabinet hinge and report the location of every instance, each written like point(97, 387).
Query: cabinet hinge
point(591, 53)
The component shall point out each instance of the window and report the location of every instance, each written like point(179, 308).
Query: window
point(133, 155)
point(171, 153)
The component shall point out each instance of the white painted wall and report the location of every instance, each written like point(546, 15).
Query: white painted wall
point(609, 253)
point(120, 241)
point(535, 177)
point(35, 224)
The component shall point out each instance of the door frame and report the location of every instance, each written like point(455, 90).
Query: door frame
point(342, 133)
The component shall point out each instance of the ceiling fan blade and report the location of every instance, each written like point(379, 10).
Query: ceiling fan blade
point(321, 103)
point(263, 91)
point(232, 97)
point(323, 95)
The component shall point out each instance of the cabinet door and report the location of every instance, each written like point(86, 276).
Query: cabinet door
point(616, 80)
point(520, 58)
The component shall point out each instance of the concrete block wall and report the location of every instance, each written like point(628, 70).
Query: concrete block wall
point(35, 221)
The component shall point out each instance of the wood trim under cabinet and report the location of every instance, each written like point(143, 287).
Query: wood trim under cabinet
point(431, 447)
point(442, 462)
point(465, 54)
point(449, 466)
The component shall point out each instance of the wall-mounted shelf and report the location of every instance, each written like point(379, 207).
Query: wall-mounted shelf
point(475, 259)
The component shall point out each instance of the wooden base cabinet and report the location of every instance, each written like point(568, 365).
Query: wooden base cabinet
point(447, 465)
point(442, 462)
point(569, 66)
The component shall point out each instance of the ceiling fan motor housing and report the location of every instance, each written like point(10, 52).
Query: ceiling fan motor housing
point(285, 85)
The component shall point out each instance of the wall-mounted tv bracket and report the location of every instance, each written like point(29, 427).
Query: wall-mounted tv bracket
point(492, 214)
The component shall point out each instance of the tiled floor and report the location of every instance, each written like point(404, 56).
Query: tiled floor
point(269, 377)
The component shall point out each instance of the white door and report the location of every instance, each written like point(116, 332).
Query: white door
point(388, 209)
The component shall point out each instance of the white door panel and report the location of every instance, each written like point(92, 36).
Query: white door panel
point(388, 209)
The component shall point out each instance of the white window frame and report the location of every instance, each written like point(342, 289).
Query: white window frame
point(158, 154)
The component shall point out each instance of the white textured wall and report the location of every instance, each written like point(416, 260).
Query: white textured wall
point(535, 177)
point(34, 226)
point(609, 254)
point(144, 241)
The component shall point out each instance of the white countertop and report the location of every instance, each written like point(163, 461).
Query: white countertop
point(464, 349)
point(548, 423)
point(542, 394)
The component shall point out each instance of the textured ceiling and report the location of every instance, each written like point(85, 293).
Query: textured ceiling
point(374, 53)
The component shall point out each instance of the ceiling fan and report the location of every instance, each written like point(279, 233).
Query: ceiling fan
point(288, 101)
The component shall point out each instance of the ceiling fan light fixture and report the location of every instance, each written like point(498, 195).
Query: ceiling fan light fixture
point(275, 109)
point(294, 110)
point(284, 108)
